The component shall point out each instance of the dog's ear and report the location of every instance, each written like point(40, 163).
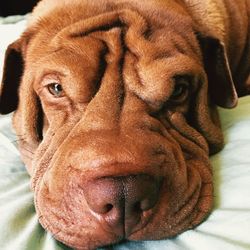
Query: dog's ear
point(209, 25)
point(205, 118)
point(221, 86)
point(12, 72)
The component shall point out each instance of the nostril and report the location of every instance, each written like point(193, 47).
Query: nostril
point(146, 204)
point(108, 208)
point(101, 208)
point(137, 206)
point(142, 206)
point(102, 195)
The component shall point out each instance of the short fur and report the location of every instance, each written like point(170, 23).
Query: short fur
point(118, 63)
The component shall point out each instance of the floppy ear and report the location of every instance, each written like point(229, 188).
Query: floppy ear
point(12, 72)
point(220, 82)
point(209, 24)
point(28, 116)
point(206, 119)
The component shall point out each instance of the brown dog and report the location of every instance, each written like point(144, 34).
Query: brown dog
point(116, 111)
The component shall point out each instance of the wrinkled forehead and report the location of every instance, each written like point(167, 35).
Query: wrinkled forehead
point(122, 42)
point(145, 33)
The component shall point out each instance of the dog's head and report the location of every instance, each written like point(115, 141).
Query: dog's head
point(116, 119)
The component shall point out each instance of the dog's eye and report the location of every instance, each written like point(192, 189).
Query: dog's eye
point(180, 90)
point(56, 89)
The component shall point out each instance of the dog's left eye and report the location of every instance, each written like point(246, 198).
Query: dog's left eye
point(56, 89)
point(180, 90)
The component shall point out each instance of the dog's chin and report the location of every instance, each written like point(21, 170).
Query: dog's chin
point(63, 210)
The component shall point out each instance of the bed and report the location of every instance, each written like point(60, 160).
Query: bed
point(228, 226)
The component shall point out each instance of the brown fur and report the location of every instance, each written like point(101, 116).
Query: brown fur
point(118, 62)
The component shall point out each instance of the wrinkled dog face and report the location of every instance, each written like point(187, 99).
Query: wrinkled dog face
point(114, 108)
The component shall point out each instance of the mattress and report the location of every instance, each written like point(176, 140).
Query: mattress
point(227, 227)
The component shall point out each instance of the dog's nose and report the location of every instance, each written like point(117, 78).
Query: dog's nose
point(121, 202)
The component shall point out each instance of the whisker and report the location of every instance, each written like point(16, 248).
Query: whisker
point(19, 135)
point(28, 150)
point(21, 139)
point(29, 157)
point(56, 233)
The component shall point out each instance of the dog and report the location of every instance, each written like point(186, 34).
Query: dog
point(116, 111)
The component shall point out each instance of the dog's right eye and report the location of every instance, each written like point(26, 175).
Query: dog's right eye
point(181, 88)
point(56, 89)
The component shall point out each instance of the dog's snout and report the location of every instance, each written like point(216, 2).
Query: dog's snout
point(121, 202)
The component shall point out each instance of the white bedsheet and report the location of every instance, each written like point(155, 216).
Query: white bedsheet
point(227, 228)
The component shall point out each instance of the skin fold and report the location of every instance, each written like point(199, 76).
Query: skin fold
point(115, 107)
